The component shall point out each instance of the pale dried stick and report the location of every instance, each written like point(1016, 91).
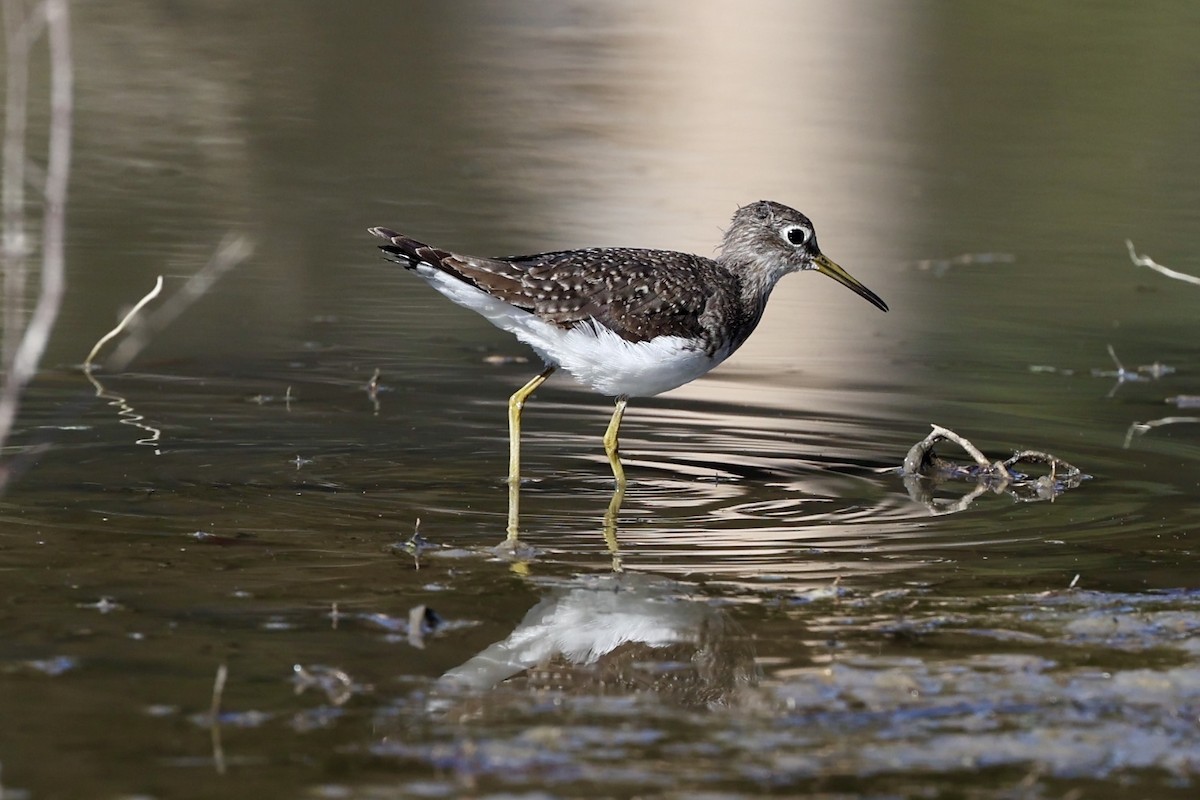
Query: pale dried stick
point(153, 293)
point(918, 453)
point(1147, 261)
point(232, 251)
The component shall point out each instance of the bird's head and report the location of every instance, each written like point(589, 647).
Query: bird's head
point(769, 240)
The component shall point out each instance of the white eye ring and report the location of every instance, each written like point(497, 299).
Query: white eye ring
point(796, 235)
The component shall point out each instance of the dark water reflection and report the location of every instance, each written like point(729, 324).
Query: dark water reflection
point(788, 618)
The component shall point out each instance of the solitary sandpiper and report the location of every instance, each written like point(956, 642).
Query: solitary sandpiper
point(628, 322)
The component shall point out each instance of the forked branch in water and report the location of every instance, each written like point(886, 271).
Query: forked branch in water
point(922, 465)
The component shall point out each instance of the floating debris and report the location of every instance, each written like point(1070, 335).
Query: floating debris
point(335, 683)
point(218, 539)
point(422, 620)
point(1144, 372)
point(1121, 374)
point(497, 360)
point(413, 546)
point(105, 605)
point(1050, 370)
point(940, 266)
point(373, 389)
point(1156, 370)
point(922, 462)
point(53, 666)
point(266, 399)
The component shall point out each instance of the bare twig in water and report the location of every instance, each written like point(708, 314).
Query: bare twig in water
point(1147, 261)
point(153, 293)
point(920, 455)
point(25, 342)
point(126, 412)
point(921, 463)
point(1112, 353)
point(414, 545)
point(232, 251)
point(214, 718)
point(1121, 374)
point(1140, 428)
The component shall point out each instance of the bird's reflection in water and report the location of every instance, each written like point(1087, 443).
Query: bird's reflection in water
point(611, 634)
point(617, 633)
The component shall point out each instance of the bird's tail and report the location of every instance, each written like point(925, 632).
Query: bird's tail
point(403, 250)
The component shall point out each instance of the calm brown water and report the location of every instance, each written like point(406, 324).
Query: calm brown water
point(788, 618)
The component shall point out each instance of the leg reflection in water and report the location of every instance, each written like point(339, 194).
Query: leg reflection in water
point(522, 554)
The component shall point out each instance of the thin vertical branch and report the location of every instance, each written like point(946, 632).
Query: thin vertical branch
point(16, 48)
point(54, 215)
point(115, 332)
point(35, 335)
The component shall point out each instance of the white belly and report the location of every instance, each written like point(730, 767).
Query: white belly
point(591, 353)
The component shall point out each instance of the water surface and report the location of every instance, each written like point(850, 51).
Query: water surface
point(787, 617)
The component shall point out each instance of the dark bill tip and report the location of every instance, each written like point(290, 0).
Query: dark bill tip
point(827, 267)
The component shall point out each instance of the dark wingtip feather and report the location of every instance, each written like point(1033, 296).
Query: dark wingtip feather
point(404, 250)
point(383, 233)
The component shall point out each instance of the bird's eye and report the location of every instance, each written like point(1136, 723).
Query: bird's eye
point(797, 234)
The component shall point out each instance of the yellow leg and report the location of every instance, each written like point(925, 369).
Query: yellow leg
point(611, 444)
point(515, 404)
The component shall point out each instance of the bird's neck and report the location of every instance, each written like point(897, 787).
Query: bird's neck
point(756, 280)
point(751, 287)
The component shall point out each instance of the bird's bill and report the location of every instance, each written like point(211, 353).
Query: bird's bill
point(827, 267)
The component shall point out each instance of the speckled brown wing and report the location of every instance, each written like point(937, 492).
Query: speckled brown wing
point(638, 294)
